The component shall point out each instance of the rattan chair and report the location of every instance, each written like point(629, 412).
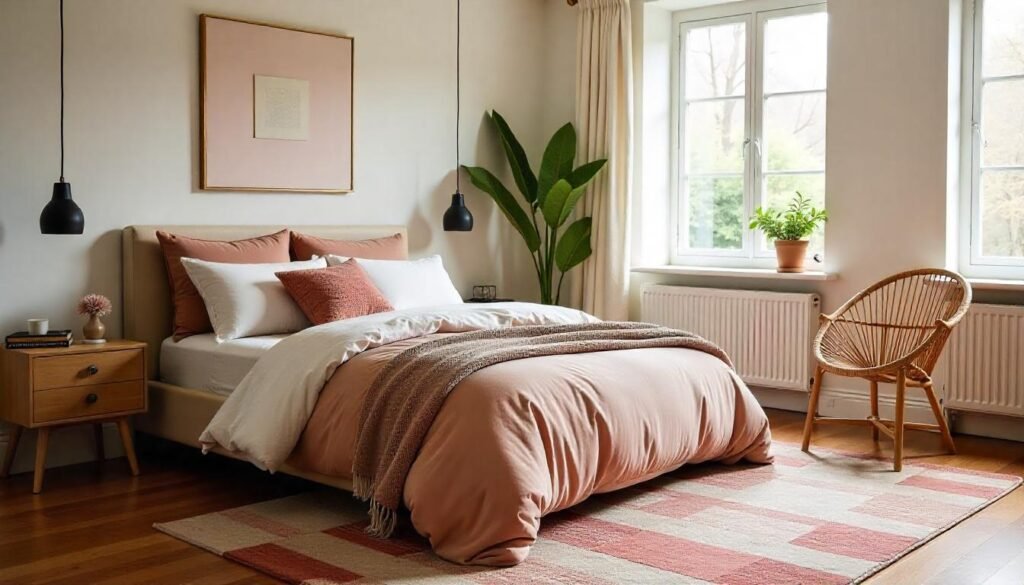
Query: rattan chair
point(892, 332)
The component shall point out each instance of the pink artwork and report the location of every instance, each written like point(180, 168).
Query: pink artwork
point(276, 108)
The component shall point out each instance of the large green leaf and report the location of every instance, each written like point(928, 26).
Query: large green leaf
point(521, 171)
point(488, 183)
point(560, 201)
point(574, 245)
point(557, 161)
point(585, 173)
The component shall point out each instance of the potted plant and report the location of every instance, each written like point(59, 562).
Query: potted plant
point(552, 194)
point(95, 306)
point(789, 230)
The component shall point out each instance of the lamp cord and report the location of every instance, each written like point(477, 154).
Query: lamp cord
point(61, 91)
point(458, 88)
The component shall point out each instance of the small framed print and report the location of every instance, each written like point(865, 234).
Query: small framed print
point(277, 108)
point(280, 108)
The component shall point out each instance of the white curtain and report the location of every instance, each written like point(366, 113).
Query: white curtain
point(604, 123)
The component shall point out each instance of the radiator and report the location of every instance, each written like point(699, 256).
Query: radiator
point(983, 363)
point(768, 335)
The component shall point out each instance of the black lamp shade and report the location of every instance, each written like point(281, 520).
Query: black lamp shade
point(457, 217)
point(61, 215)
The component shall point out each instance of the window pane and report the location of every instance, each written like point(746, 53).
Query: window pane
point(1002, 122)
point(714, 136)
point(795, 52)
point(716, 213)
point(1003, 38)
point(1002, 213)
point(794, 132)
point(716, 61)
point(781, 189)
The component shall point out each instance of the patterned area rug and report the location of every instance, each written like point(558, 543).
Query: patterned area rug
point(821, 518)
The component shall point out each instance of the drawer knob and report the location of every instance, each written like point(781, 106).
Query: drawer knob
point(92, 369)
point(91, 398)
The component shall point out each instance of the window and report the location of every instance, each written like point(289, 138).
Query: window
point(750, 113)
point(992, 226)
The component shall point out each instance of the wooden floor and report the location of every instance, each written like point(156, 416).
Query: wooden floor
point(93, 523)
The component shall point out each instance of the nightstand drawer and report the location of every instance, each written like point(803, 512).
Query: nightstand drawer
point(86, 369)
point(86, 401)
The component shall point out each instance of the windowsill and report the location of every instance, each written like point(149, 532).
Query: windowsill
point(996, 284)
point(761, 273)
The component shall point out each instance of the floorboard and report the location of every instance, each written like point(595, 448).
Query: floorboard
point(93, 522)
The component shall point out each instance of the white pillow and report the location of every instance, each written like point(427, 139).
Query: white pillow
point(408, 284)
point(244, 300)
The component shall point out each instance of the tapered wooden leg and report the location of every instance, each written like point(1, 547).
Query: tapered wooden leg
point(42, 442)
point(812, 407)
point(129, 447)
point(947, 437)
point(901, 390)
point(874, 409)
point(12, 448)
point(97, 430)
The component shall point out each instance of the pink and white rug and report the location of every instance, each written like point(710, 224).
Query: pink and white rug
point(821, 518)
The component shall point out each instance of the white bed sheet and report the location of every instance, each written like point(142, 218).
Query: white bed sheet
point(202, 363)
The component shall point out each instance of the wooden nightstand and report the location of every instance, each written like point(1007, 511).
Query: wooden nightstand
point(51, 387)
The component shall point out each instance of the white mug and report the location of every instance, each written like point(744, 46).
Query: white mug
point(38, 326)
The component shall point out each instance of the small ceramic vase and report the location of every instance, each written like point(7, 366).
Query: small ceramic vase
point(94, 330)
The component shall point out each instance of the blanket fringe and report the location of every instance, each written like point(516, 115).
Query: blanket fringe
point(362, 487)
point(382, 520)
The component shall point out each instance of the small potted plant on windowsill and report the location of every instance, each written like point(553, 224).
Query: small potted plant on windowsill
point(789, 230)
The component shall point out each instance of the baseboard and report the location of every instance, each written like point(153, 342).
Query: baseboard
point(849, 403)
point(987, 425)
point(68, 445)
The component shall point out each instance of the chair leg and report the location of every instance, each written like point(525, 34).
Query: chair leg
point(874, 409)
point(812, 407)
point(901, 390)
point(947, 437)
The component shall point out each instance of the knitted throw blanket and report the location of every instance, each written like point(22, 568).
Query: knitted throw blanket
point(408, 393)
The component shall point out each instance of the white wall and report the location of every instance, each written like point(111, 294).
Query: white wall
point(132, 132)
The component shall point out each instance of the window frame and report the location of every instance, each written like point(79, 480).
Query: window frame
point(973, 82)
point(754, 14)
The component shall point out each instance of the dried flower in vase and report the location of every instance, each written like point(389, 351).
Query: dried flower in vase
point(98, 305)
point(95, 306)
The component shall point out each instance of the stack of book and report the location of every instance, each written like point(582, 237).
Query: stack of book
point(24, 339)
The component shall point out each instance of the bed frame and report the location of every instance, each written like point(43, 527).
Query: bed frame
point(177, 413)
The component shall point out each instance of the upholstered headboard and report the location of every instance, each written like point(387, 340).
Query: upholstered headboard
point(147, 295)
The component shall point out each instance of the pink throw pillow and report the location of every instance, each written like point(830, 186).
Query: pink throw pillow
point(390, 248)
point(332, 294)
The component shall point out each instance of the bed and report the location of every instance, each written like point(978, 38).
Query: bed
point(513, 441)
point(180, 413)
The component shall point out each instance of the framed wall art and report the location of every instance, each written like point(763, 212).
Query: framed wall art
point(277, 108)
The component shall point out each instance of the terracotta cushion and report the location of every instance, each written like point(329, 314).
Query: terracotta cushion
point(390, 248)
point(332, 294)
point(190, 317)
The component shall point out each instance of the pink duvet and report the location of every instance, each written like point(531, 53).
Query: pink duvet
point(519, 440)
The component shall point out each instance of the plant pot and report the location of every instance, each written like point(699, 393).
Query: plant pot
point(791, 255)
point(94, 330)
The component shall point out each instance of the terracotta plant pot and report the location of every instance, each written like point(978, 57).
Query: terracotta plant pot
point(94, 330)
point(791, 255)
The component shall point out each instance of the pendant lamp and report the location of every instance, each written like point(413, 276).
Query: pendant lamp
point(457, 217)
point(61, 215)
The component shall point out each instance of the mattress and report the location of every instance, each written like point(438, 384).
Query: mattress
point(202, 363)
